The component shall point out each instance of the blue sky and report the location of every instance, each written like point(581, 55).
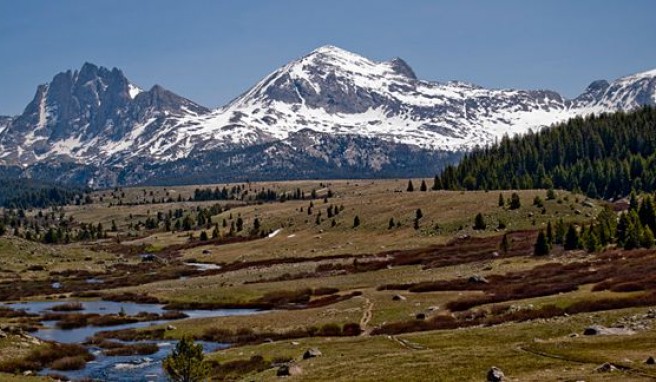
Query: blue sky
point(211, 51)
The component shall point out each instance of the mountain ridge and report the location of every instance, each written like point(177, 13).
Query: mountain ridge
point(96, 116)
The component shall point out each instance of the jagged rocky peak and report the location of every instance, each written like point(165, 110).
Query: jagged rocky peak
point(402, 67)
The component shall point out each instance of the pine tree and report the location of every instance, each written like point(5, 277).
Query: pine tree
point(418, 214)
point(437, 183)
point(634, 231)
point(515, 203)
point(186, 362)
point(571, 238)
point(647, 213)
point(502, 201)
point(647, 238)
point(541, 247)
point(410, 188)
point(203, 236)
point(561, 230)
point(423, 186)
point(479, 222)
point(591, 241)
point(391, 223)
point(550, 235)
point(633, 201)
point(356, 221)
point(622, 230)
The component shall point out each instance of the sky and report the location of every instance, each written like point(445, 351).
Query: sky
point(212, 51)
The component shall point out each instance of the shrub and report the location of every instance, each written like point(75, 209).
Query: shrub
point(330, 330)
point(351, 329)
point(69, 363)
point(68, 307)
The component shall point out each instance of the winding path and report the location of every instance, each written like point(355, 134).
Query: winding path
point(366, 317)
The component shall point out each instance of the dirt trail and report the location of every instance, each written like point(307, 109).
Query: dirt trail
point(366, 317)
point(406, 344)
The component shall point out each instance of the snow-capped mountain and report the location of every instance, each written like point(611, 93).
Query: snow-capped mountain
point(330, 106)
point(89, 114)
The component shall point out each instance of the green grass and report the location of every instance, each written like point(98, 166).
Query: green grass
point(460, 355)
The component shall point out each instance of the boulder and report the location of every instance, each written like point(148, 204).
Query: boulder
point(170, 327)
point(311, 353)
point(478, 279)
point(495, 375)
point(599, 330)
point(606, 368)
point(289, 370)
point(398, 297)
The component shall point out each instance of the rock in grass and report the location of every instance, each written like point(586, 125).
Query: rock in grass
point(606, 368)
point(311, 353)
point(478, 279)
point(289, 370)
point(398, 297)
point(495, 375)
point(598, 330)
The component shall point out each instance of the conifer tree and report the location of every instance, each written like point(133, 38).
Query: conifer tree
point(647, 238)
point(541, 247)
point(591, 241)
point(550, 235)
point(479, 222)
point(410, 188)
point(515, 202)
point(571, 238)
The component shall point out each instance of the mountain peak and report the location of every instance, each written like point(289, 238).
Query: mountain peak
point(400, 66)
point(330, 49)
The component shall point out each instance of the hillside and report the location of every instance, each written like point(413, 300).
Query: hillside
point(604, 156)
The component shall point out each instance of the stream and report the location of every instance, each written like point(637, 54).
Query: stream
point(119, 368)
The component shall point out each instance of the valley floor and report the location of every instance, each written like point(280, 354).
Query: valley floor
point(422, 298)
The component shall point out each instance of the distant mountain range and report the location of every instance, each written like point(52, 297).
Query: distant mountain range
point(331, 113)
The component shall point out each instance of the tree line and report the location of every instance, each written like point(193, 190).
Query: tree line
point(604, 156)
point(27, 193)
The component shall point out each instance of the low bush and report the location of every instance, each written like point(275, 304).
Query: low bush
point(68, 307)
point(69, 363)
